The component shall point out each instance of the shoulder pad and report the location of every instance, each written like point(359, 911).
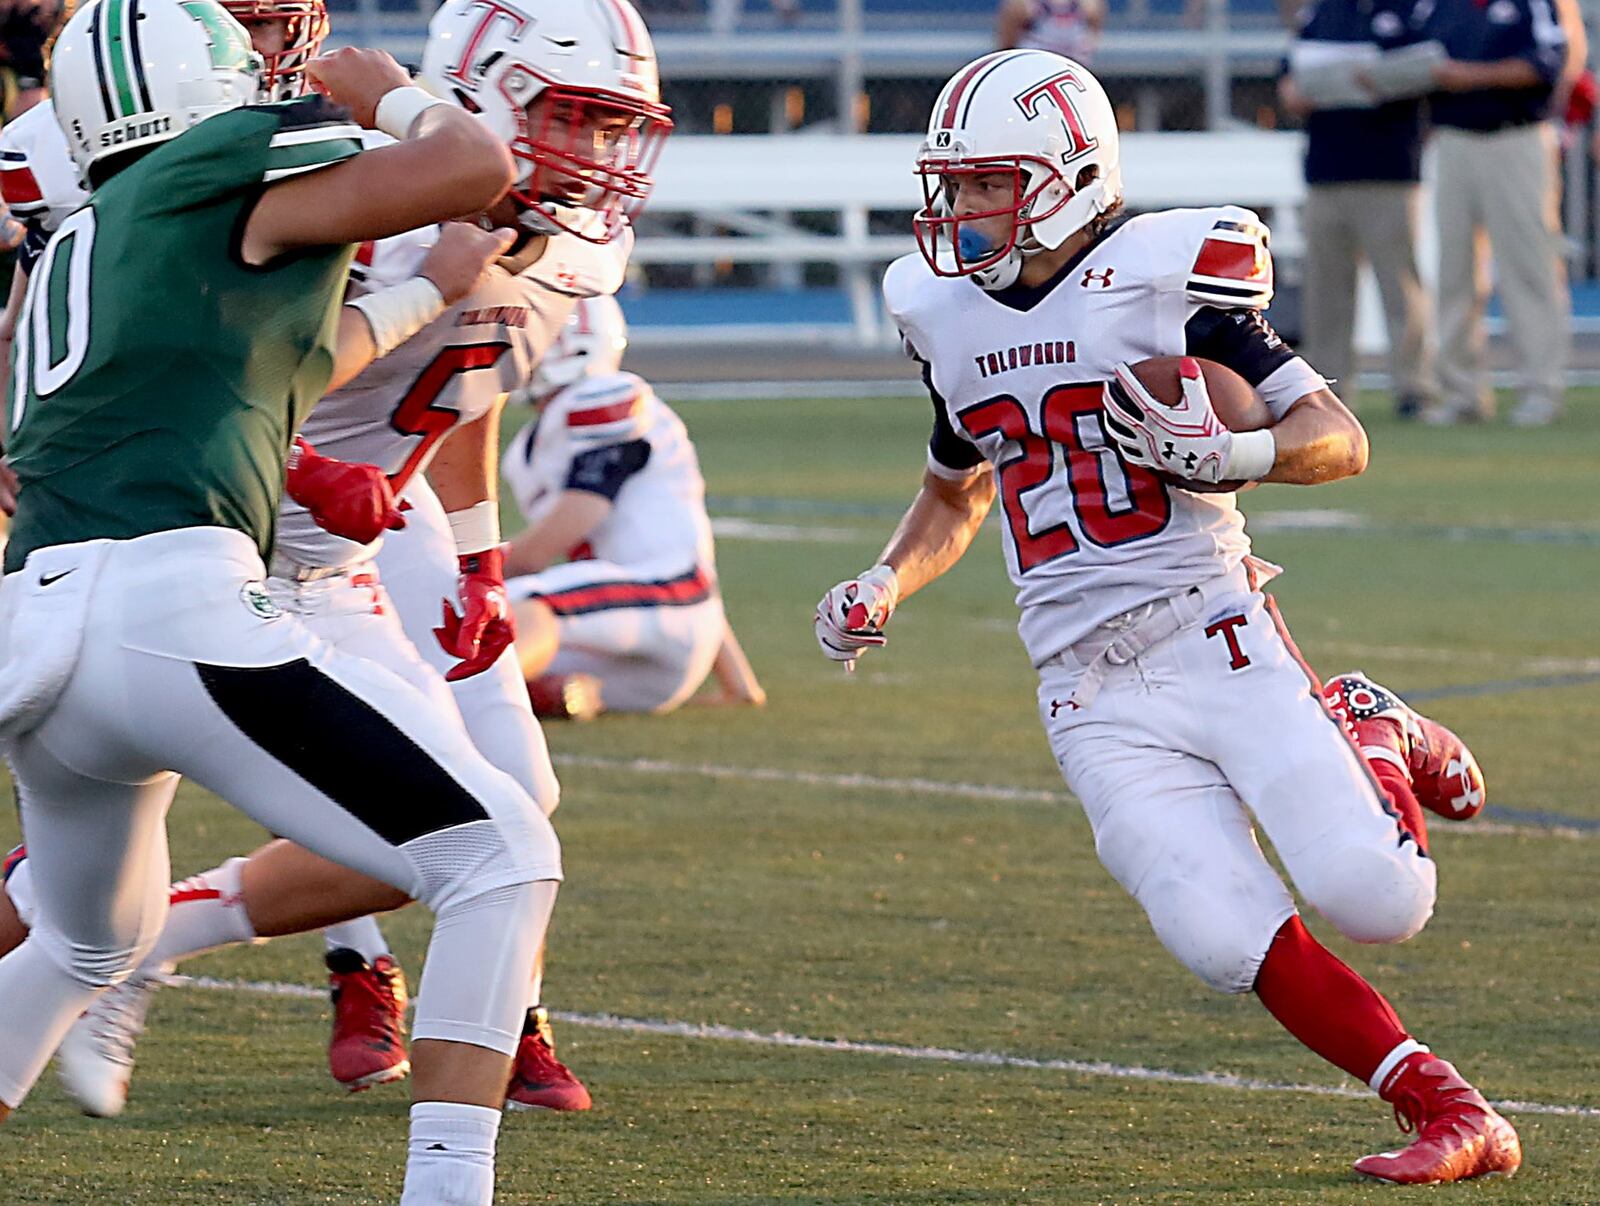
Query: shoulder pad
point(312, 133)
point(602, 410)
point(577, 268)
point(1232, 264)
point(908, 284)
point(38, 180)
point(385, 262)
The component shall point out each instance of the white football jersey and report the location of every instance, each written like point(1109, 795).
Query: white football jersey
point(38, 179)
point(593, 435)
point(452, 372)
point(1017, 375)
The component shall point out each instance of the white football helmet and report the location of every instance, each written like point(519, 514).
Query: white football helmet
point(1039, 117)
point(592, 144)
point(591, 344)
point(131, 73)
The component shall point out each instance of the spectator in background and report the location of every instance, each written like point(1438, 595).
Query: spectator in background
point(1498, 176)
point(1065, 27)
point(1364, 202)
point(27, 27)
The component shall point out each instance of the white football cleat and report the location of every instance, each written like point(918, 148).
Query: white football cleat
point(95, 1061)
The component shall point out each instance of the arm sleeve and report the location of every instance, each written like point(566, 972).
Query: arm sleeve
point(950, 454)
point(604, 471)
point(32, 246)
point(1245, 341)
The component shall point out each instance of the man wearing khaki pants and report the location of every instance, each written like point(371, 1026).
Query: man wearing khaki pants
point(1498, 181)
point(1364, 202)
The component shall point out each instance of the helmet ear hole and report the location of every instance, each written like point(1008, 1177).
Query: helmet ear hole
point(1086, 177)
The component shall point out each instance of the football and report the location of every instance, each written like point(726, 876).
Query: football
point(1237, 404)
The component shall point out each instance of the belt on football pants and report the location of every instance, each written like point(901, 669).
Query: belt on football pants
point(1123, 638)
point(290, 571)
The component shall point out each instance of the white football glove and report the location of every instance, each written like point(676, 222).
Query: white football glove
point(1186, 440)
point(851, 616)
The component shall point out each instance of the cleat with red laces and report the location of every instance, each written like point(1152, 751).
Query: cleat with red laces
point(540, 1081)
point(369, 1009)
point(1459, 1134)
point(1443, 771)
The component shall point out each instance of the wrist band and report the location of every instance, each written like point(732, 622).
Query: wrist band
point(399, 108)
point(397, 313)
point(1251, 456)
point(884, 577)
point(477, 528)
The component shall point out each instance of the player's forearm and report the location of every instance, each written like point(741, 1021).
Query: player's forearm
point(354, 348)
point(736, 678)
point(562, 528)
point(1318, 441)
point(937, 528)
point(464, 471)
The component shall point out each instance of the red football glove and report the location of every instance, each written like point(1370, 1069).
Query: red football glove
point(350, 500)
point(483, 630)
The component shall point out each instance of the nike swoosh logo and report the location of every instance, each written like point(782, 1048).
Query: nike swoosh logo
point(562, 43)
point(51, 579)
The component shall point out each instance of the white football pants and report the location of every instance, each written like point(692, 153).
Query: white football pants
point(186, 667)
point(622, 624)
point(419, 568)
point(1189, 745)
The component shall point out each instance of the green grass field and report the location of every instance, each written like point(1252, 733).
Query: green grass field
point(936, 917)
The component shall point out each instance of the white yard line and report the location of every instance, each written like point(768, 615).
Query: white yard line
point(943, 1055)
point(965, 791)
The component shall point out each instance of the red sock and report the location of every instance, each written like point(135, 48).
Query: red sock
point(1396, 785)
point(1326, 1005)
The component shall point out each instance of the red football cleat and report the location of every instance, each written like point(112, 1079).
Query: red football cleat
point(1459, 1134)
point(1443, 772)
point(369, 1009)
point(539, 1081)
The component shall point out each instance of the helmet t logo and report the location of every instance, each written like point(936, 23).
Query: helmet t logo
point(462, 70)
point(1056, 89)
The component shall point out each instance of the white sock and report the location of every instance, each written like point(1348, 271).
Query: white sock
point(204, 912)
point(361, 935)
point(20, 888)
point(1379, 1082)
point(450, 1157)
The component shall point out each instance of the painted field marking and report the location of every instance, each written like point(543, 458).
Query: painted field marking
point(1511, 822)
point(943, 1055)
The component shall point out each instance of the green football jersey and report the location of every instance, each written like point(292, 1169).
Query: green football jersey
point(158, 379)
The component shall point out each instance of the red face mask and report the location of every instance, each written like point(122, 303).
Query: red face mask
point(592, 151)
point(305, 28)
point(951, 243)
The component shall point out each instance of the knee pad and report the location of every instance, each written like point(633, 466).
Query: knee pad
point(1213, 901)
point(100, 964)
point(516, 845)
point(1222, 938)
point(1373, 894)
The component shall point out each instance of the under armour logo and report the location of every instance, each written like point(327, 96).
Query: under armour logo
point(1101, 278)
point(1169, 450)
point(1189, 460)
point(1056, 705)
